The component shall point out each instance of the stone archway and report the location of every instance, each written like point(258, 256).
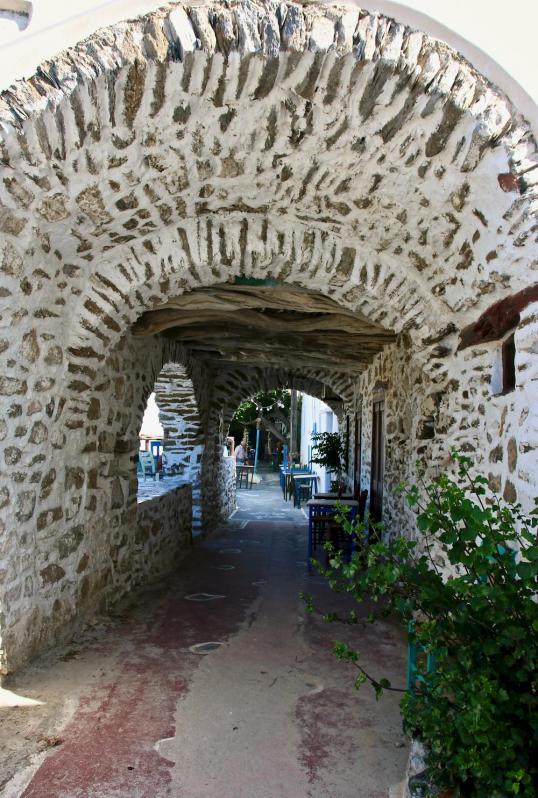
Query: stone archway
point(325, 148)
point(230, 388)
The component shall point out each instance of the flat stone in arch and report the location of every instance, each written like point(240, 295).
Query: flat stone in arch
point(203, 597)
point(205, 648)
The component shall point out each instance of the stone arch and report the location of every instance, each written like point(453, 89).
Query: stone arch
point(231, 387)
point(307, 70)
point(234, 387)
point(320, 146)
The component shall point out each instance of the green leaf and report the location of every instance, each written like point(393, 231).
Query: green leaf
point(527, 570)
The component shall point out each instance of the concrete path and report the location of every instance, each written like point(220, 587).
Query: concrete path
point(266, 712)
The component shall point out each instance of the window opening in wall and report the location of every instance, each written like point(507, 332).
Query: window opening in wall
point(508, 364)
point(503, 370)
point(150, 462)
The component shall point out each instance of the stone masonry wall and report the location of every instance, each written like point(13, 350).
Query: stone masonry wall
point(323, 147)
point(441, 399)
point(227, 487)
point(70, 539)
point(164, 530)
point(402, 380)
point(183, 435)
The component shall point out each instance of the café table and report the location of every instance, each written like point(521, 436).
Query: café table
point(286, 475)
point(298, 480)
point(318, 508)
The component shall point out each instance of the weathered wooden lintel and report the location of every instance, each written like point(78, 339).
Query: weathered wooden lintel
point(498, 319)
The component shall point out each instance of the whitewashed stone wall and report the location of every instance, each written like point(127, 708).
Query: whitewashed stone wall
point(164, 530)
point(180, 418)
point(439, 399)
point(323, 147)
point(402, 380)
point(227, 489)
point(70, 541)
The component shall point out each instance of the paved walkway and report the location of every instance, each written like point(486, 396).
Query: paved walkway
point(265, 712)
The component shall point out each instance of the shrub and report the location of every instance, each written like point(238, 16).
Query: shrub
point(476, 709)
point(329, 451)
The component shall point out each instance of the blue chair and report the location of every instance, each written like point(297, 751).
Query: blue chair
point(146, 465)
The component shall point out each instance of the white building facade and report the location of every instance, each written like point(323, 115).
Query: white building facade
point(316, 417)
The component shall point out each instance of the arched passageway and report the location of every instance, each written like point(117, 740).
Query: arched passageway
point(333, 154)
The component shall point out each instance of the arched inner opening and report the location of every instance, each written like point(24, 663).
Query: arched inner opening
point(171, 439)
point(262, 424)
point(250, 333)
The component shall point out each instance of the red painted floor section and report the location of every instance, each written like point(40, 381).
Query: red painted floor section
point(269, 713)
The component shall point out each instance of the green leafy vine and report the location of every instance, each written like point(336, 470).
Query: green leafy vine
point(467, 586)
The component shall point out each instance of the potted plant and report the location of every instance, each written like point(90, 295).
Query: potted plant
point(329, 451)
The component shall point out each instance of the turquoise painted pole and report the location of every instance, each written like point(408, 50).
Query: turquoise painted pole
point(258, 422)
point(312, 440)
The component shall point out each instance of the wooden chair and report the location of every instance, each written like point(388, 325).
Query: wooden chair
point(146, 464)
point(305, 493)
point(325, 527)
point(244, 474)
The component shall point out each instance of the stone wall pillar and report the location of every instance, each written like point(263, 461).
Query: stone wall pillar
point(72, 544)
point(218, 488)
point(183, 435)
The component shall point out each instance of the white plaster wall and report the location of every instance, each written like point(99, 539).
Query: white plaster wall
point(151, 425)
point(314, 411)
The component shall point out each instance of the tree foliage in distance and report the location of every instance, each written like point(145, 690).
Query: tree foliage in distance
point(273, 405)
point(476, 710)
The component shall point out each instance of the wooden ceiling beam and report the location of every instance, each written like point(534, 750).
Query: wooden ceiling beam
point(328, 345)
point(228, 297)
point(162, 320)
point(354, 351)
point(282, 358)
point(271, 325)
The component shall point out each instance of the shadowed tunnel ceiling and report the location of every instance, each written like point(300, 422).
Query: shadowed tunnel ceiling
point(267, 325)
